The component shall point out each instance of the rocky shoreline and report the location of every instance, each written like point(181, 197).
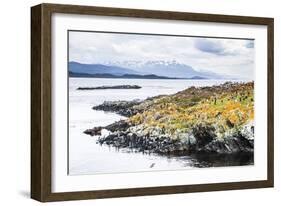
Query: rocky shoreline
point(201, 139)
point(124, 108)
point(219, 136)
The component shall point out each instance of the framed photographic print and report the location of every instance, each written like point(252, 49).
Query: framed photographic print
point(130, 102)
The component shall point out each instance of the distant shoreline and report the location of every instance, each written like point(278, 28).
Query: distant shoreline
point(110, 87)
point(235, 80)
point(128, 76)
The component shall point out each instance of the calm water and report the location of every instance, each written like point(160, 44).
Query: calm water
point(87, 157)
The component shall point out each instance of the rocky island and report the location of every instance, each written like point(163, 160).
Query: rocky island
point(217, 119)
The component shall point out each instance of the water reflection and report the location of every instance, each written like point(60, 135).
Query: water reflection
point(199, 160)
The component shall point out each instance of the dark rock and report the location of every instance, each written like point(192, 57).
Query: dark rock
point(94, 131)
point(229, 123)
point(203, 134)
point(124, 108)
point(203, 140)
point(122, 125)
point(229, 145)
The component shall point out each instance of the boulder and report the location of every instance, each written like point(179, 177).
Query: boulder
point(96, 131)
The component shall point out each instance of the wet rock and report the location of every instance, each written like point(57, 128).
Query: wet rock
point(201, 139)
point(235, 144)
point(203, 134)
point(94, 131)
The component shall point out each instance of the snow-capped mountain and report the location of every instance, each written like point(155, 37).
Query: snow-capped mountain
point(165, 68)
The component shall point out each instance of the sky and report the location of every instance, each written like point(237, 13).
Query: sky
point(234, 57)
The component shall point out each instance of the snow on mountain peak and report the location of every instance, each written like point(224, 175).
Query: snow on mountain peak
point(139, 63)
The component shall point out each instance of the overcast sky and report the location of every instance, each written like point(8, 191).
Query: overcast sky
point(224, 56)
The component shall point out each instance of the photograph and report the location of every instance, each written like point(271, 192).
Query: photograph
point(140, 102)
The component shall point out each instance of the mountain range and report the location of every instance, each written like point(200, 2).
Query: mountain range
point(123, 76)
point(134, 69)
